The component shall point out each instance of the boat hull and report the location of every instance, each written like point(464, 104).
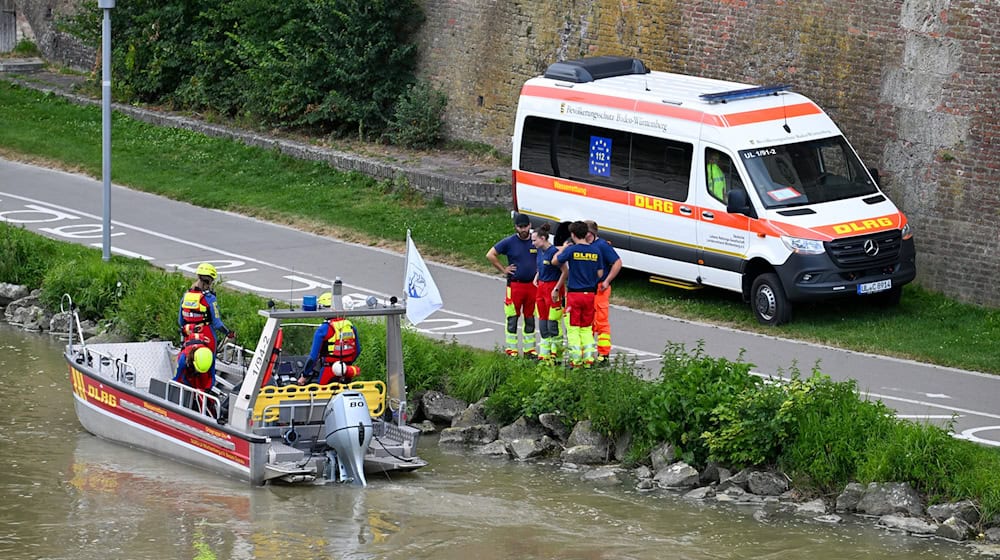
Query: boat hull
point(118, 413)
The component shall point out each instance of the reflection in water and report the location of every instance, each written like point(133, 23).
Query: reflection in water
point(65, 494)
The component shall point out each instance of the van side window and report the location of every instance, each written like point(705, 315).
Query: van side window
point(720, 175)
point(537, 141)
point(592, 154)
point(661, 167)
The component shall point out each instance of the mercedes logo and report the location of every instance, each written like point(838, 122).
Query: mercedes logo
point(871, 247)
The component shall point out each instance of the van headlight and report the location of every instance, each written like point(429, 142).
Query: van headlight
point(803, 246)
point(907, 231)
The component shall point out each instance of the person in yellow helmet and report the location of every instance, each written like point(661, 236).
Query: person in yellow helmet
point(199, 310)
point(196, 365)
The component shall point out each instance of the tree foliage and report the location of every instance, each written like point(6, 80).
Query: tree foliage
point(332, 65)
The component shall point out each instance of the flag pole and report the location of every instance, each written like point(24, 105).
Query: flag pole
point(406, 268)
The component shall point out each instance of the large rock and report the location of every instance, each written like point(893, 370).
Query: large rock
point(677, 475)
point(523, 428)
point(585, 455)
point(469, 435)
point(888, 498)
point(584, 434)
point(474, 415)
point(848, 500)
point(765, 483)
point(964, 510)
point(662, 456)
point(497, 449)
point(27, 312)
point(606, 475)
point(909, 524)
point(524, 449)
point(555, 423)
point(440, 408)
point(12, 292)
point(956, 529)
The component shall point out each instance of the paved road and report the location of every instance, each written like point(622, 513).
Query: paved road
point(286, 264)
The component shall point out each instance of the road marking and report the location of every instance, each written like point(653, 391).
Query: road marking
point(123, 252)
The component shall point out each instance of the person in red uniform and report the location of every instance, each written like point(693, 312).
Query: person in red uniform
point(582, 267)
point(196, 369)
point(602, 299)
point(336, 346)
point(520, 272)
point(550, 309)
point(199, 310)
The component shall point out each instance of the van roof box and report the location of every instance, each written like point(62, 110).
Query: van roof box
point(595, 68)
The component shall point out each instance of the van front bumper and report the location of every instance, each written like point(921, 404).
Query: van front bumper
point(814, 277)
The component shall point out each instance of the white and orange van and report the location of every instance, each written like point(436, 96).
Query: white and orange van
point(703, 182)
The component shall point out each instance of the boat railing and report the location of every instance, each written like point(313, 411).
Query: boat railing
point(112, 367)
point(235, 354)
point(195, 399)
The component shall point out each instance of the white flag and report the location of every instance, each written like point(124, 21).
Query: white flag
point(422, 295)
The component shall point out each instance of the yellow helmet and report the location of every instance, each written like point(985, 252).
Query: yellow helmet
point(205, 269)
point(203, 359)
point(325, 300)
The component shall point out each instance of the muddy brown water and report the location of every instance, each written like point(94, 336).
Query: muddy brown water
point(65, 494)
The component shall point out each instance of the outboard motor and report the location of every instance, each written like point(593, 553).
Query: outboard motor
point(347, 430)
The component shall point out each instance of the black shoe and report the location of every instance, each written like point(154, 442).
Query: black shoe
point(602, 362)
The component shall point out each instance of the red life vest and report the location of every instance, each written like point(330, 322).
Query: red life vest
point(190, 376)
point(194, 307)
point(341, 343)
point(194, 313)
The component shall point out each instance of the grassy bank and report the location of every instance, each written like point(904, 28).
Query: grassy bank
point(222, 174)
point(814, 429)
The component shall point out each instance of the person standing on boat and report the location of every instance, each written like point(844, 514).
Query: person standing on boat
point(336, 346)
point(199, 311)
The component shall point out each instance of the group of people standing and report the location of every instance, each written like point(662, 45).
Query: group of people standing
point(567, 286)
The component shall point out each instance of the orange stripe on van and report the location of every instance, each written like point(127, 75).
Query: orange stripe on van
point(671, 111)
point(761, 228)
point(772, 114)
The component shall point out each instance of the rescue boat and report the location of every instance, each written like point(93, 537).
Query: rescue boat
point(261, 433)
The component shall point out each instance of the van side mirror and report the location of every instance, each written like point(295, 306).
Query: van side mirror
point(738, 203)
point(875, 176)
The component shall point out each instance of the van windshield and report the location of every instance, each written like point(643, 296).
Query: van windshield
point(807, 173)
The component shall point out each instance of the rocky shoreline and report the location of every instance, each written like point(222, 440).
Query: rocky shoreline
point(890, 505)
point(893, 506)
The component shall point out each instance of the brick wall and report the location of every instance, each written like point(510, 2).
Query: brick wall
point(914, 84)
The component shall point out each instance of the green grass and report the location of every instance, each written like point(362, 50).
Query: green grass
point(218, 173)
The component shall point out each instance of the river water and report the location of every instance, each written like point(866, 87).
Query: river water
point(65, 494)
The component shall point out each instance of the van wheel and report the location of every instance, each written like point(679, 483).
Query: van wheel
point(770, 305)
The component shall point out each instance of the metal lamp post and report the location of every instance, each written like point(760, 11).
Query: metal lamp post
point(107, 6)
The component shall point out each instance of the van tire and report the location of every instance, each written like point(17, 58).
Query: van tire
point(768, 300)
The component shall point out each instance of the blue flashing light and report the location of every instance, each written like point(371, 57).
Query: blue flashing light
point(748, 93)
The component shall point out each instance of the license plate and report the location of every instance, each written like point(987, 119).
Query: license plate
point(874, 287)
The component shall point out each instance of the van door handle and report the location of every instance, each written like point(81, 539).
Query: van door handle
point(686, 210)
point(707, 215)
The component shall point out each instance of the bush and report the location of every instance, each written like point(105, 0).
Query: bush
point(25, 256)
point(680, 407)
point(832, 433)
point(337, 65)
point(416, 121)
